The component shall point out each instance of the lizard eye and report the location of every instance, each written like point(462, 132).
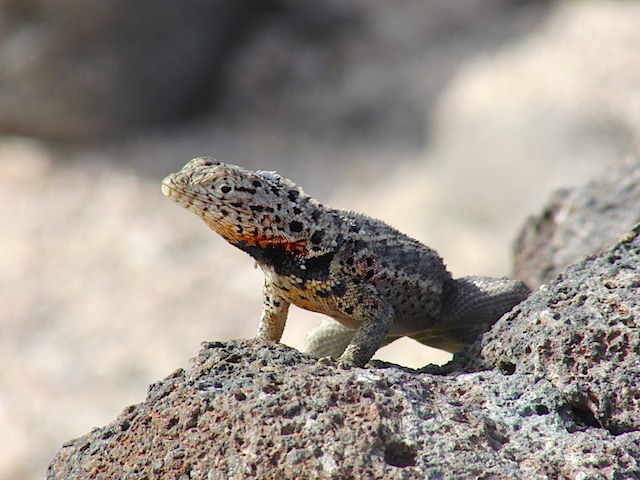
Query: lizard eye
point(223, 185)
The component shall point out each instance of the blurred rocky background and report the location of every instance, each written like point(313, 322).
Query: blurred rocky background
point(451, 121)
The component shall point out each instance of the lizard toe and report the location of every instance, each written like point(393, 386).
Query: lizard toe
point(329, 361)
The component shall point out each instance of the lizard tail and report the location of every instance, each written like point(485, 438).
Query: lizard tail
point(470, 306)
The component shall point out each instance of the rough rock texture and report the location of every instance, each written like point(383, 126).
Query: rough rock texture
point(582, 334)
point(553, 392)
point(81, 69)
point(247, 410)
point(579, 222)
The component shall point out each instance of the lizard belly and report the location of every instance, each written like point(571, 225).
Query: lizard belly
point(316, 296)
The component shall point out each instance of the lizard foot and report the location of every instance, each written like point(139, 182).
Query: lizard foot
point(329, 361)
point(341, 363)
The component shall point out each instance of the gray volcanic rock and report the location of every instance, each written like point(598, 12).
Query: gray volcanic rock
point(582, 334)
point(579, 222)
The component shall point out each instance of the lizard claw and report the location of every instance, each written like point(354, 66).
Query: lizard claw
point(345, 365)
point(328, 361)
point(340, 363)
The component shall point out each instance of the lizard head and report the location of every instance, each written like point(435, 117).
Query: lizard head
point(250, 208)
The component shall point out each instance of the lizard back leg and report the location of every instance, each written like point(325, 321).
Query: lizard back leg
point(373, 316)
point(470, 306)
point(358, 305)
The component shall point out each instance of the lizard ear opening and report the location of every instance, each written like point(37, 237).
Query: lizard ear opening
point(274, 178)
point(270, 175)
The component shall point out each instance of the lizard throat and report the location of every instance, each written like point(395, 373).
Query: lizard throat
point(251, 236)
point(295, 248)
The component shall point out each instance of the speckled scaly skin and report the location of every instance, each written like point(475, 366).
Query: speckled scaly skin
point(375, 283)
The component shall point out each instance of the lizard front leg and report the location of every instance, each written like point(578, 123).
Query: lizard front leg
point(274, 313)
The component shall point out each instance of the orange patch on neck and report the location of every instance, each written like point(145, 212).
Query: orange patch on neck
point(298, 247)
point(231, 235)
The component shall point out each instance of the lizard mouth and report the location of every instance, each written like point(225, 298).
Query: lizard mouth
point(168, 187)
point(187, 199)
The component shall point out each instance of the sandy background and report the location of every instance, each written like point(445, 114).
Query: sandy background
point(451, 125)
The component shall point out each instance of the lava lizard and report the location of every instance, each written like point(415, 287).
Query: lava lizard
point(376, 283)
